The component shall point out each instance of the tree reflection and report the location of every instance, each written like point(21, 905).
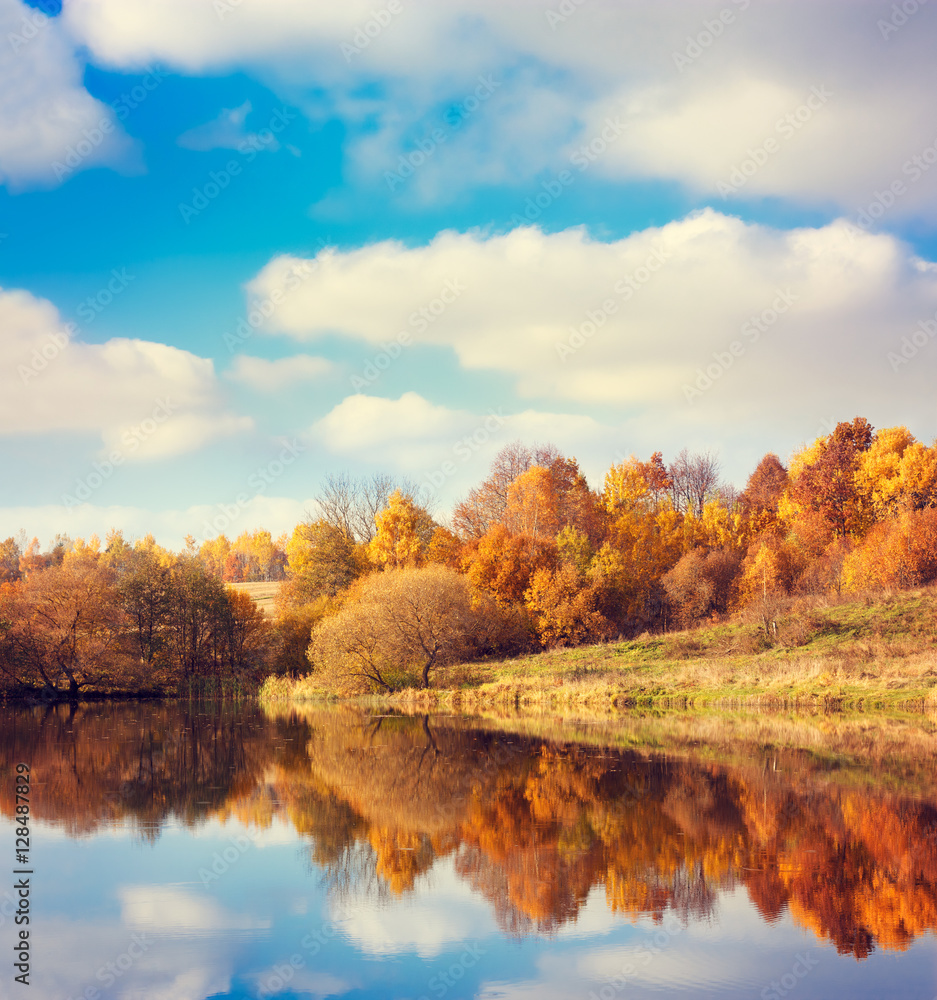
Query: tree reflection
point(531, 825)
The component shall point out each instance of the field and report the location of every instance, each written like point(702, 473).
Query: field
point(873, 654)
point(263, 594)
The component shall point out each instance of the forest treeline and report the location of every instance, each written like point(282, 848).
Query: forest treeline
point(533, 825)
point(377, 593)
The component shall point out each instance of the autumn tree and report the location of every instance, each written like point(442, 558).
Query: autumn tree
point(694, 479)
point(9, 560)
point(396, 621)
point(896, 473)
point(702, 583)
point(404, 530)
point(352, 504)
point(573, 547)
point(823, 478)
point(66, 630)
point(118, 552)
point(758, 502)
point(899, 552)
point(321, 562)
point(645, 538)
point(444, 548)
point(502, 564)
point(214, 553)
point(565, 608)
point(243, 636)
point(144, 591)
point(485, 504)
point(532, 505)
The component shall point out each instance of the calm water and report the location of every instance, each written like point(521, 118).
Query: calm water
point(185, 853)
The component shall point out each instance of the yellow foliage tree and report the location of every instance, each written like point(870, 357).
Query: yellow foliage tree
point(878, 474)
point(397, 543)
point(533, 506)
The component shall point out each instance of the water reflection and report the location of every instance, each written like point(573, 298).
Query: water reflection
point(531, 825)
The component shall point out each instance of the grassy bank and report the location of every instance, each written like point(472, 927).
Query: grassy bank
point(869, 655)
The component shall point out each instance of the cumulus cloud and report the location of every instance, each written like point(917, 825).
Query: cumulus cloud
point(146, 400)
point(443, 450)
point(698, 93)
point(50, 126)
point(272, 376)
point(705, 321)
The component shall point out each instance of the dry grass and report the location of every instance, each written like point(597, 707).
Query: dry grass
point(826, 654)
point(264, 595)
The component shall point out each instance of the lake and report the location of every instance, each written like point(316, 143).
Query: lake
point(186, 851)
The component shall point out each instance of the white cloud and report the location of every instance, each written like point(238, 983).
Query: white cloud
point(425, 923)
point(695, 102)
point(635, 324)
point(146, 400)
point(47, 117)
point(446, 450)
point(87, 954)
point(649, 959)
point(170, 910)
point(272, 376)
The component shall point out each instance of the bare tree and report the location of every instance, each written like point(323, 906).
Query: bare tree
point(695, 479)
point(352, 504)
point(336, 502)
point(485, 504)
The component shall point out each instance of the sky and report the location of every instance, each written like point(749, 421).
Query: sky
point(245, 244)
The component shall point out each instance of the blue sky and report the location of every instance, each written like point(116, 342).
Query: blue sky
point(620, 227)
